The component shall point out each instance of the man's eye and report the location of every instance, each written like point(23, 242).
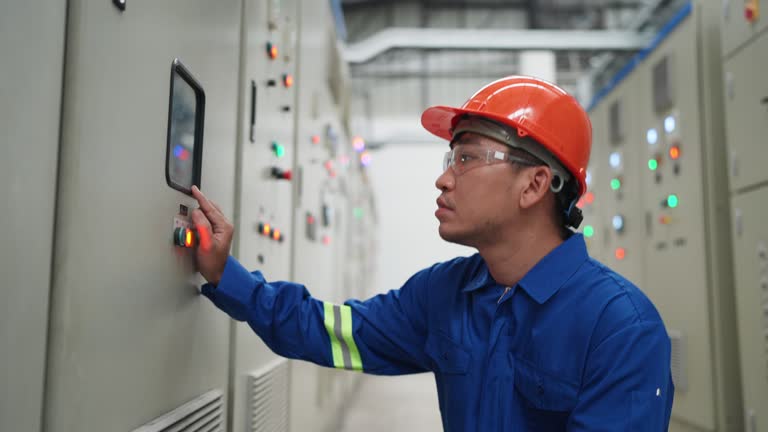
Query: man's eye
point(466, 158)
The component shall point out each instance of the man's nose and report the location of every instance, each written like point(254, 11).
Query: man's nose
point(446, 180)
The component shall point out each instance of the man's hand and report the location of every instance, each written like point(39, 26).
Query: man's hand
point(215, 233)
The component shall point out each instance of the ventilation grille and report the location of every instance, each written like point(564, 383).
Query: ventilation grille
point(268, 390)
point(679, 375)
point(203, 414)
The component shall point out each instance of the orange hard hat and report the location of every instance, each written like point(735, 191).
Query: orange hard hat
point(535, 108)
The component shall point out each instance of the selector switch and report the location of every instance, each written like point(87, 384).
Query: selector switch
point(184, 237)
point(281, 174)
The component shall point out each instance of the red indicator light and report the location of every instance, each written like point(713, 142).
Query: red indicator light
point(288, 80)
point(620, 253)
point(580, 204)
point(272, 50)
point(326, 240)
point(674, 152)
point(752, 11)
point(311, 220)
point(589, 197)
point(315, 139)
point(280, 174)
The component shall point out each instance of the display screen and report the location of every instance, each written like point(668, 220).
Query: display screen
point(185, 130)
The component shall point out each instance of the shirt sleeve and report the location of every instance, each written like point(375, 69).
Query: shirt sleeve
point(384, 334)
point(627, 383)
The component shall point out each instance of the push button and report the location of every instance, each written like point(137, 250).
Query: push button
point(184, 237)
point(281, 174)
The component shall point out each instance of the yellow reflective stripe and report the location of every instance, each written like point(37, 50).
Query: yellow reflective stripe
point(346, 331)
point(338, 359)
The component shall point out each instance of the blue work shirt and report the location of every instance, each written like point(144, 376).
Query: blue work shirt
point(572, 347)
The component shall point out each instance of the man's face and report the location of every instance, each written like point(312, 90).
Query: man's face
point(478, 199)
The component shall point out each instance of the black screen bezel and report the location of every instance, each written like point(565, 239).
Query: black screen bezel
point(177, 68)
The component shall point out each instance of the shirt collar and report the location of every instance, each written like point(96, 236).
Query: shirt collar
point(554, 270)
point(547, 276)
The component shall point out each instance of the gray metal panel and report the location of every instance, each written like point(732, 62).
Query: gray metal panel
point(746, 113)
point(750, 257)
point(131, 338)
point(32, 51)
point(598, 178)
point(737, 30)
point(626, 167)
point(260, 198)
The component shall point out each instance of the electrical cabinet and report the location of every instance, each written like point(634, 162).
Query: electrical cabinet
point(131, 339)
point(746, 107)
point(263, 195)
point(591, 226)
point(750, 257)
point(32, 49)
point(742, 20)
point(746, 114)
point(672, 159)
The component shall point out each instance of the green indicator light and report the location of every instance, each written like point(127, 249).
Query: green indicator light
point(653, 164)
point(589, 231)
point(358, 212)
point(672, 201)
point(278, 149)
point(615, 184)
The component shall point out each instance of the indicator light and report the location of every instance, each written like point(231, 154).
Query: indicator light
point(315, 139)
point(589, 178)
point(310, 219)
point(665, 220)
point(326, 240)
point(358, 144)
point(184, 237)
point(616, 183)
point(365, 158)
point(589, 231)
point(674, 152)
point(652, 136)
point(358, 212)
point(653, 164)
point(287, 80)
point(272, 51)
point(280, 174)
point(618, 223)
point(752, 11)
point(670, 124)
point(672, 201)
point(267, 229)
point(620, 253)
point(589, 197)
point(276, 235)
point(615, 160)
point(278, 149)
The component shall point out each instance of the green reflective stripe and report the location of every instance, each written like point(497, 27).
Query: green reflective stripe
point(338, 360)
point(346, 331)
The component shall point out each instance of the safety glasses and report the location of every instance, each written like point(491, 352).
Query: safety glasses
point(461, 159)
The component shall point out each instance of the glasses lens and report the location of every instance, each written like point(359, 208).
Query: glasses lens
point(447, 160)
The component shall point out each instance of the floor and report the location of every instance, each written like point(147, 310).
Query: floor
point(386, 404)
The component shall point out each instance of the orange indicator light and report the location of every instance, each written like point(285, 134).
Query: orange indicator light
point(674, 152)
point(267, 229)
point(620, 253)
point(189, 240)
point(288, 80)
point(272, 50)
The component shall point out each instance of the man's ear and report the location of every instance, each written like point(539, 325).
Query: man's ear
point(537, 180)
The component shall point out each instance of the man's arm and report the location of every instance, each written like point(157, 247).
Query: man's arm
point(627, 384)
point(384, 334)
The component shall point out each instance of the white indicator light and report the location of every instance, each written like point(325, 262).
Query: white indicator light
point(615, 160)
point(618, 222)
point(589, 178)
point(652, 136)
point(670, 124)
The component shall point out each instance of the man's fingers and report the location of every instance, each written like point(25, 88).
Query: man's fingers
point(211, 210)
point(203, 227)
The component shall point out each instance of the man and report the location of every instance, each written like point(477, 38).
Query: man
point(530, 334)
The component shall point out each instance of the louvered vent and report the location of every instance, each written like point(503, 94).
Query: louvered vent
point(269, 398)
point(204, 414)
point(679, 372)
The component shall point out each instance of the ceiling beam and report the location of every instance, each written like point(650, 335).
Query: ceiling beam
point(518, 40)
